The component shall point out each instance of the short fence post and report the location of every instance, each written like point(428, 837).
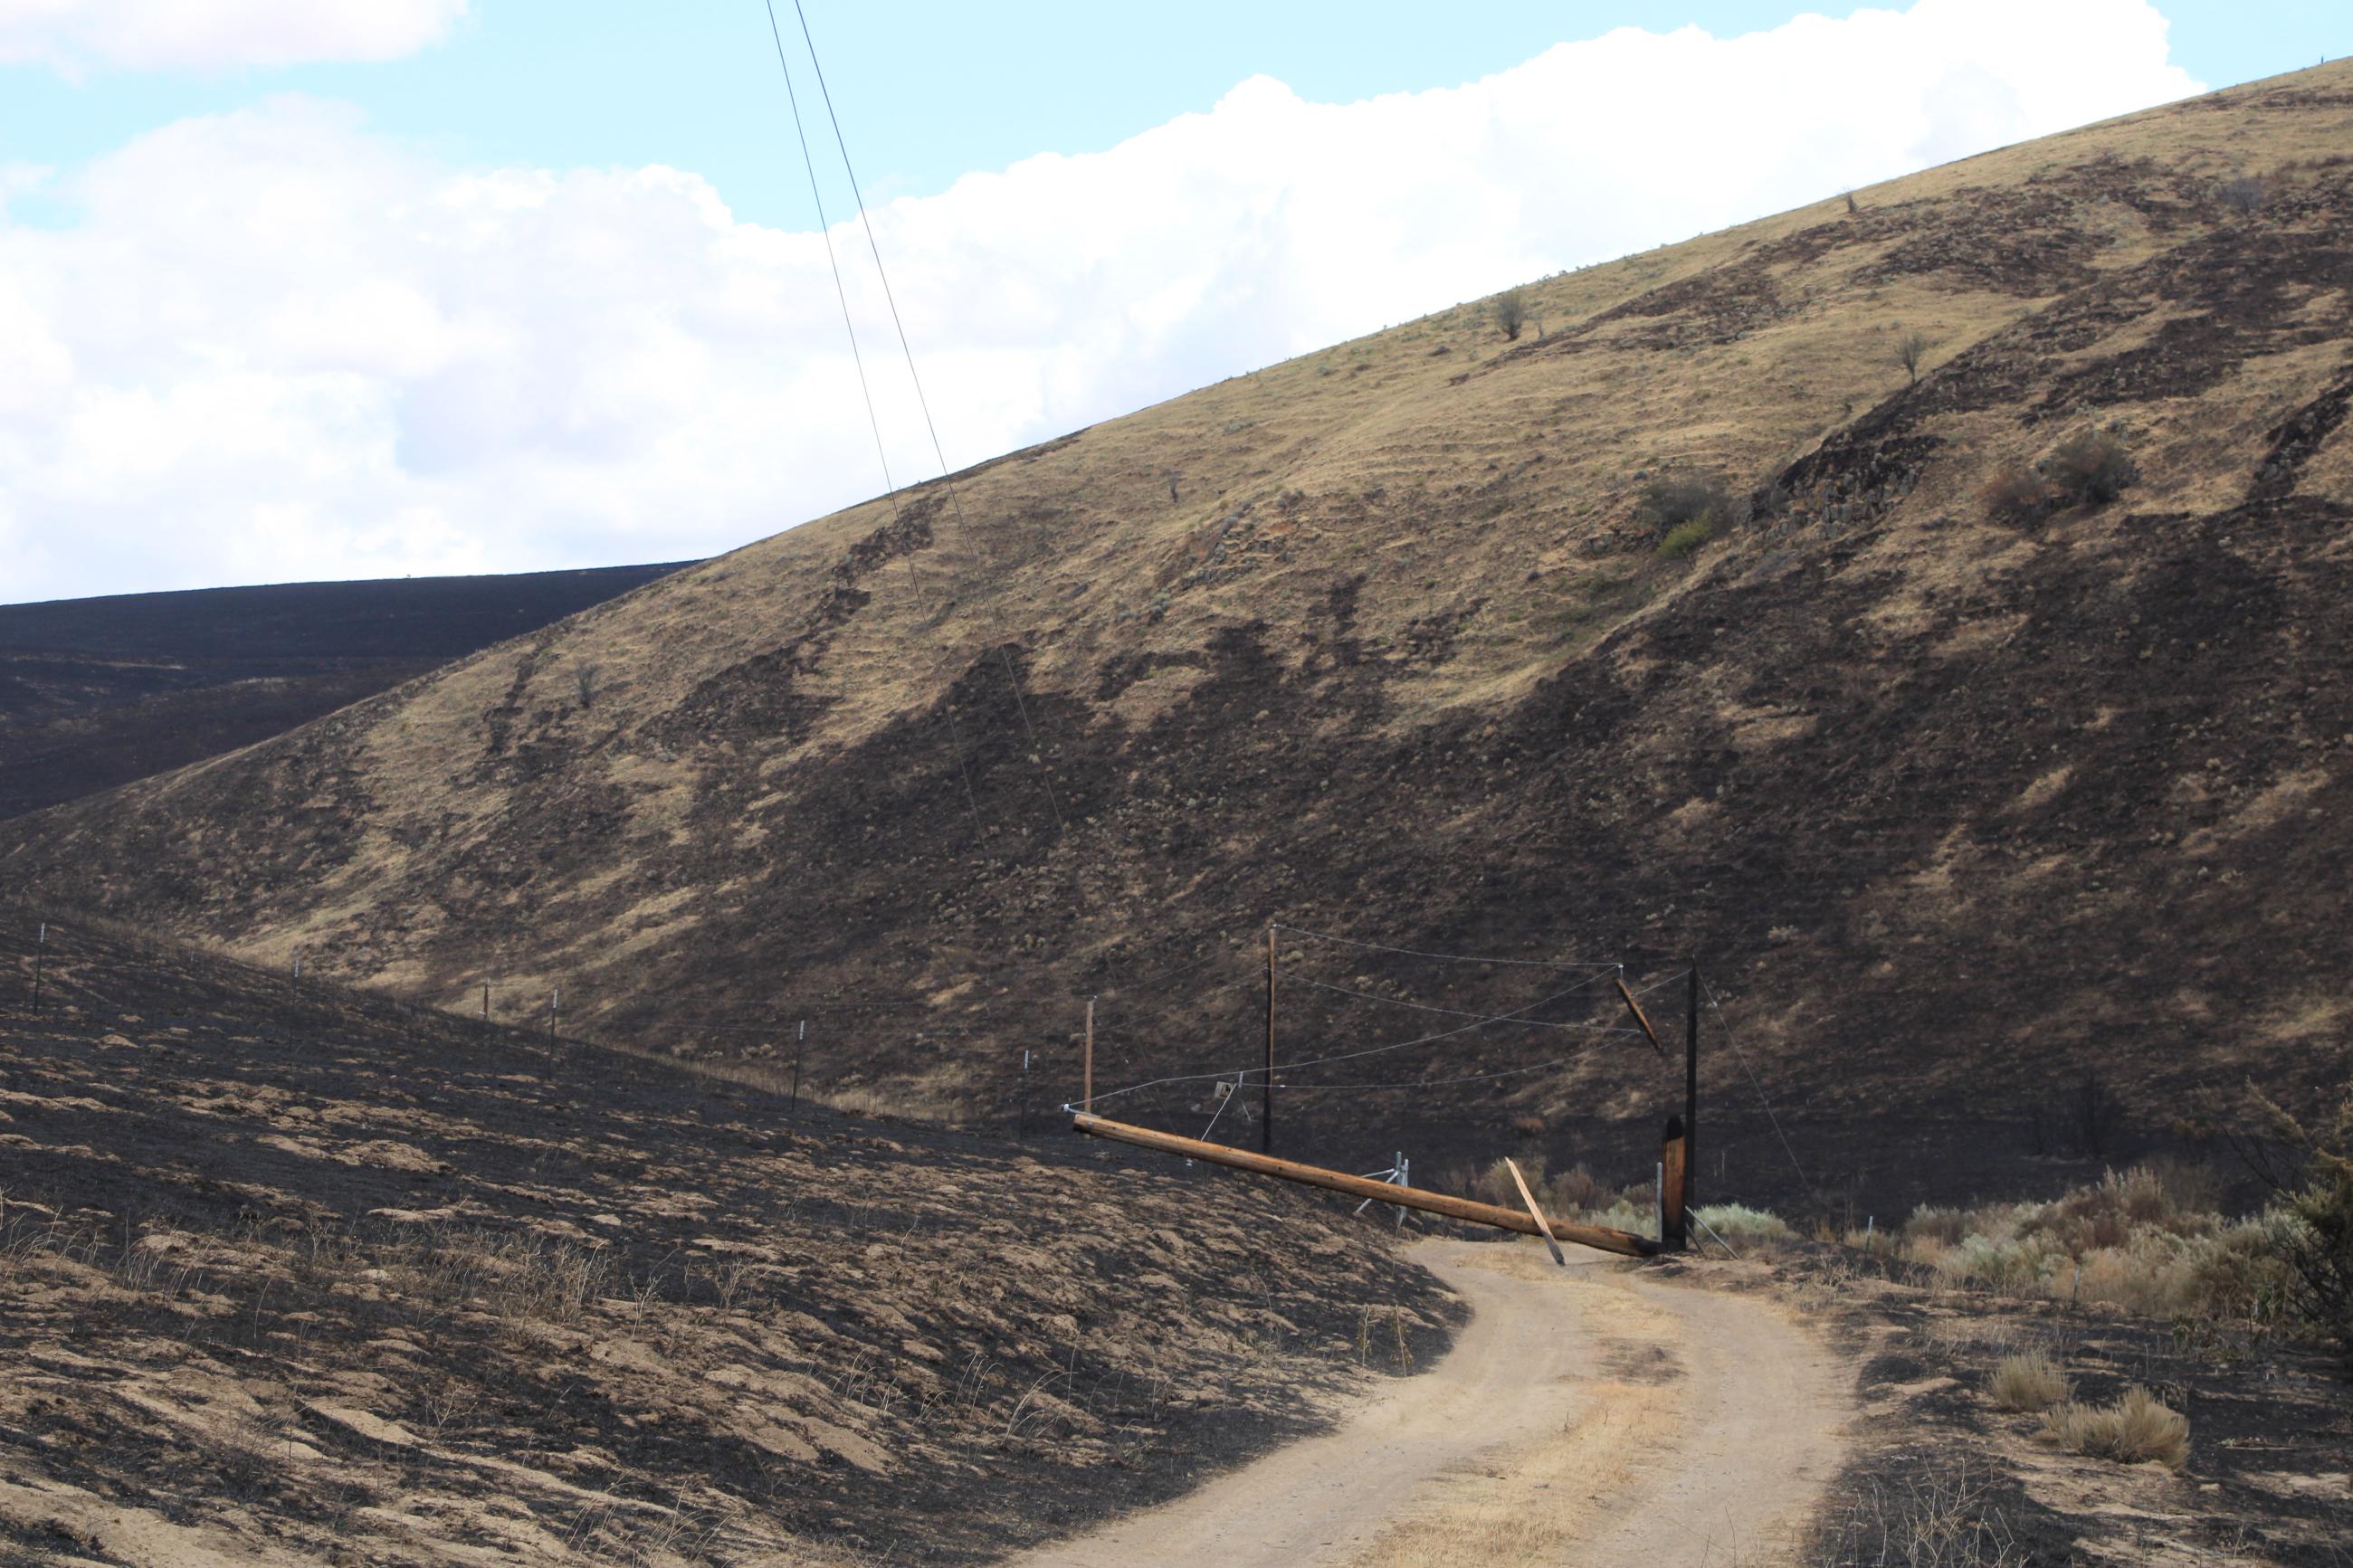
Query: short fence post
point(793, 1106)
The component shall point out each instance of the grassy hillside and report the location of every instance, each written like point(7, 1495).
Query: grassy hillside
point(97, 693)
point(292, 1274)
point(2007, 827)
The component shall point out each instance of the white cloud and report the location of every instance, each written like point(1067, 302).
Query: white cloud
point(73, 37)
point(275, 346)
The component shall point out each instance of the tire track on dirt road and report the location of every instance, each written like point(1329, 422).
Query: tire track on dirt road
point(1590, 1415)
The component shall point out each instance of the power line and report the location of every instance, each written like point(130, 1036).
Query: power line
point(1513, 1016)
point(891, 488)
point(1456, 1012)
point(1725, 1028)
point(1438, 1082)
point(1447, 957)
point(1012, 680)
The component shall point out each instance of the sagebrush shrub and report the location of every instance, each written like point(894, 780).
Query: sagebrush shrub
point(1738, 1222)
point(1673, 500)
point(1511, 313)
point(2313, 1211)
point(1686, 538)
point(2016, 493)
point(2090, 469)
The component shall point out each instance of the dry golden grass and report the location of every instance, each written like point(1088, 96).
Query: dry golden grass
point(2138, 1429)
point(2031, 1381)
point(1495, 492)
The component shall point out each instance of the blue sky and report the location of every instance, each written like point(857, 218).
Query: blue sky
point(303, 288)
point(934, 90)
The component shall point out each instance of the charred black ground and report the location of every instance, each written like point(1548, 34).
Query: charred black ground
point(97, 693)
point(239, 1209)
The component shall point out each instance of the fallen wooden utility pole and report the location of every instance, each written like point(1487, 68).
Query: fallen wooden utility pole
point(1534, 1213)
point(1594, 1236)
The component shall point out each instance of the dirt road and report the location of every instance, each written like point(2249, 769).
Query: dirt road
point(1585, 1415)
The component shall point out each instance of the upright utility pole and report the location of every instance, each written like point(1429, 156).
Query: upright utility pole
point(1266, 1083)
point(1087, 1062)
point(1691, 1089)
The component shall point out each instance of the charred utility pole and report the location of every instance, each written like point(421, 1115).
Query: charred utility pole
point(1266, 1085)
point(1691, 1089)
point(1087, 1061)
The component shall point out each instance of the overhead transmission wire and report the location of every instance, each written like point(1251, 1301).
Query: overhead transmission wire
point(1447, 957)
point(1517, 1016)
point(891, 488)
point(1438, 1082)
point(1456, 1012)
point(955, 500)
point(1723, 1027)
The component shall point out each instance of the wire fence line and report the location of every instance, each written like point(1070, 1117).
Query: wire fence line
point(1517, 1017)
point(67, 976)
point(1445, 957)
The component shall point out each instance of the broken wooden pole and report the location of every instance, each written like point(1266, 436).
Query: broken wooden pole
point(1641, 1019)
point(1534, 1213)
point(1672, 1159)
point(1594, 1236)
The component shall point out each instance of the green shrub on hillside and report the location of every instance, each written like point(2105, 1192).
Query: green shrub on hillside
point(1511, 313)
point(1686, 538)
point(1673, 500)
point(2090, 469)
point(2016, 493)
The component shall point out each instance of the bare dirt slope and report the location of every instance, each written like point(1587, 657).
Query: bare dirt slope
point(1585, 1415)
point(1960, 807)
point(289, 1274)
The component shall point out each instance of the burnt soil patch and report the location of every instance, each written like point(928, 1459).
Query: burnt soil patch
point(290, 1262)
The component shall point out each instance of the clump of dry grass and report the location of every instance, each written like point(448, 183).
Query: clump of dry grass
point(1936, 1519)
point(2031, 1381)
point(2135, 1430)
